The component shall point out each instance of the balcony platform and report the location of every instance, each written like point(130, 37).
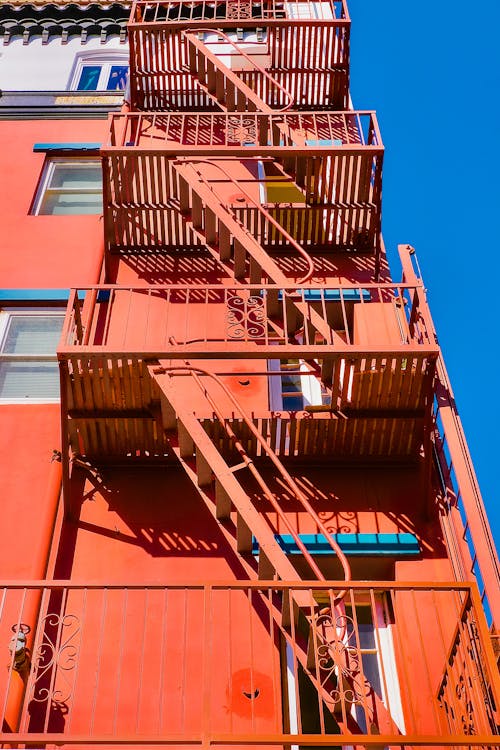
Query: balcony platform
point(318, 176)
point(377, 379)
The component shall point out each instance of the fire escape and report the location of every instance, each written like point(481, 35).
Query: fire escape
point(240, 148)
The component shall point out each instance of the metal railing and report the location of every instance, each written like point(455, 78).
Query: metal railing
point(466, 527)
point(473, 540)
point(144, 319)
point(251, 663)
point(244, 129)
point(164, 11)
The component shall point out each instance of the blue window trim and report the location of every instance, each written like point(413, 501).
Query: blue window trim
point(324, 142)
point(380, 545)
point(67, 148)
point(332, 295)
point(34, 295)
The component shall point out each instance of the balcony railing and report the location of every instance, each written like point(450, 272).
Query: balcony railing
point(251, 321)
point(376, 664)
point(326, 130)
point(167, 11)
point(317, 175)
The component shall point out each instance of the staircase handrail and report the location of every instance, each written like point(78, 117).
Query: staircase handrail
point(258, 206)
point(259, 68)
point(196, 372)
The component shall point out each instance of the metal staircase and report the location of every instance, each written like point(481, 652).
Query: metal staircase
point(224, 86)
point(313, 630)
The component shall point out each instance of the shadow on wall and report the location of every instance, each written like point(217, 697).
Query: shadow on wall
point(156, 510)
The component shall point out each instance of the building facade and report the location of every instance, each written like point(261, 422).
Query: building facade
point(238, 506)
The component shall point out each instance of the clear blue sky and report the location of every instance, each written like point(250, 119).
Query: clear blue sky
point(432, 72)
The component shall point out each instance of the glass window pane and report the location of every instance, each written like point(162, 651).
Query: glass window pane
point(293, 403)
point(89, 78)
point(29, 380)
point(71, 203)
point(372, 671)
point(74, 176)
point(33, 334)
point(291, 384)
point(118, 78)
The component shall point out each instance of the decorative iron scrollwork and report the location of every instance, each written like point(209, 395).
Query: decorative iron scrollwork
point(55, 658)
point(239, 9)
point(241, 130)
point(245, 318)
point(466, 672)
point(338, 662)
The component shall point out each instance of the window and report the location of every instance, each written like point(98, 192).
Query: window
point(28, 365)
point(105, 77)
point(70, 186)
point(369, 635)
point(99, 71)
point(293, 391)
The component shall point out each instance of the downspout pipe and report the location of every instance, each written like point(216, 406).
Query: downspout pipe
point(25, 628)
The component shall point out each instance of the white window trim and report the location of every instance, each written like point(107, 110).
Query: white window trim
point(6, 313)
point(47, 173)
point(386, 660)
point(310, 386)
point(105, 58)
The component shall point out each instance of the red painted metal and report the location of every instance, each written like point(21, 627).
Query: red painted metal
point(252, 201)
point(80, 620)
point(230, 79)
point(269, 453)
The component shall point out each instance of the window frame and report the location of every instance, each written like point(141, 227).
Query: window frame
point(310, 391)
point(49, 168)
point(7, 313)
point(383, 650)
point(106, 60)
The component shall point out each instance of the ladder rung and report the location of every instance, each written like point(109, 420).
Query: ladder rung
point(230, 96)
point(220, 86)
point(193, 60)
point(184, 195)
point(202, 68)
point(210, 227)
point(186, 445)
point(266, 569)
point(168, 417)
point(197, 211)
point(224, 242)
point(238, 467)
point(255, 271)
point(211, 81)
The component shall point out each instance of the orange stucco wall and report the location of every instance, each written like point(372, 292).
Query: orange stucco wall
point(28, 435)
point(44, 251)
point(36, 252)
